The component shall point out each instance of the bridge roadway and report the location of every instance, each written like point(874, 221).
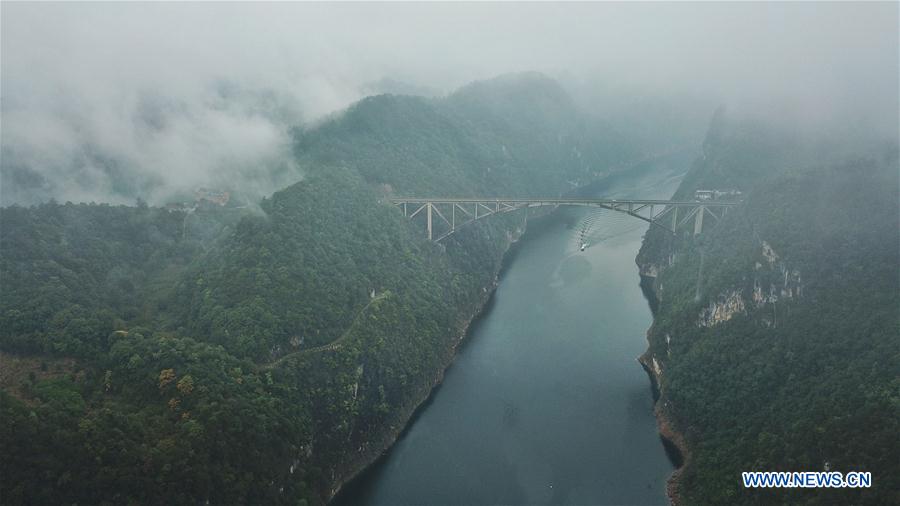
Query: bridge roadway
point(661, 213)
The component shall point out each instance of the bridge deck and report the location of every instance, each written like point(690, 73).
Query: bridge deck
point(649, 210)
point(447, 200)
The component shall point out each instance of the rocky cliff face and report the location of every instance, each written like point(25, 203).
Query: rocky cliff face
point(771, 281)
point(765, 324)
point(722, 309)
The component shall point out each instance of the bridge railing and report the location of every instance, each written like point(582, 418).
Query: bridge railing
point(457, 212)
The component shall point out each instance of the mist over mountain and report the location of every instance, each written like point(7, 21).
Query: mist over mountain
point(780, 312)
point(114, 103)
point(332, 307)
point(209, 295)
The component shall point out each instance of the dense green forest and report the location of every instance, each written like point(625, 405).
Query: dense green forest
point(264, 355)
point(775, 336)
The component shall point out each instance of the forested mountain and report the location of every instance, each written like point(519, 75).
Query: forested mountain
point(775, 340)
point(517, 134)
point(234, 356)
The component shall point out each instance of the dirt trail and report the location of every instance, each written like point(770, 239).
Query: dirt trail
point(333, 345)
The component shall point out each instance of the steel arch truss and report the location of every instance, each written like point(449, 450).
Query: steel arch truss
point(455, 213)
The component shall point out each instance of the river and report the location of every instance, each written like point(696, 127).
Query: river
point(546, 402)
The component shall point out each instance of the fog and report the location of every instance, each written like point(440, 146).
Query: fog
point(105, 102)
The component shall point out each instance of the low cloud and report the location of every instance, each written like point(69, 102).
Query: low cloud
point(107, 102)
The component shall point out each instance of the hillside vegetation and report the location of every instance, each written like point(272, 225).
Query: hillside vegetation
point(775, 340)
point(183, 365)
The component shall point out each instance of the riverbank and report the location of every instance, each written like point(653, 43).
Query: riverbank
point(508, 434)
point(407, 414)
point(674, 441)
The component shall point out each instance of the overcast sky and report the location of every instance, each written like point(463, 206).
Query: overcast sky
point(179, 91)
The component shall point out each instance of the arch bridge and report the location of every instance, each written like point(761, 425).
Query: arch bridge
point(671, 215)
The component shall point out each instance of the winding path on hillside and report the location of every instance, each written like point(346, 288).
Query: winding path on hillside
point(333, 345)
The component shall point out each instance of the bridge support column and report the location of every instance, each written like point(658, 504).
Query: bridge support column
point(698, 220)
point(428, 212)
point(635, 208)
